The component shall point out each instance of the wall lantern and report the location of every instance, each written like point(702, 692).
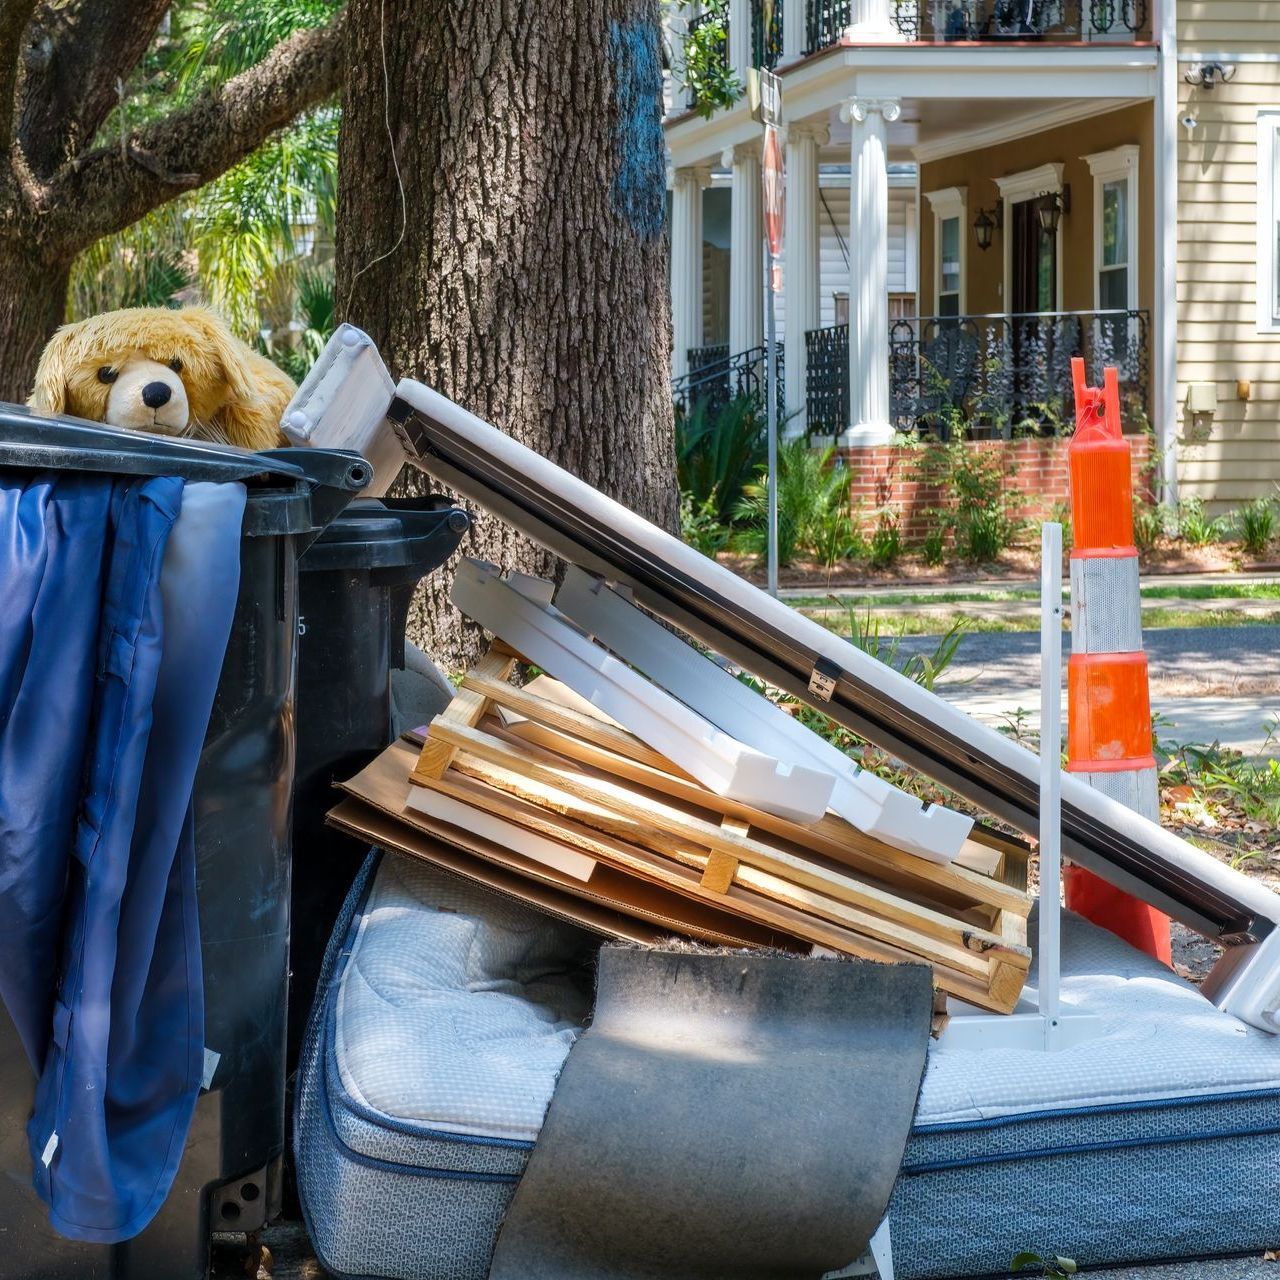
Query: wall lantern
point(1052, 206)
point(1207, 74)
point(986, 224)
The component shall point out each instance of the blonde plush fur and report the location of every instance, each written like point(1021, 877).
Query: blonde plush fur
point(233, 394)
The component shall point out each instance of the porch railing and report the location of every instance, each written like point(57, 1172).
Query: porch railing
point(991, 20)
point(766, 45)
point(716, 377)
point(992, 376)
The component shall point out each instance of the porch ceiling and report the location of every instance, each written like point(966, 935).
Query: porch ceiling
point(946, 91)
point(930, 128)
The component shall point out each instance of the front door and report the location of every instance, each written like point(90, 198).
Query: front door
point(1034, 268)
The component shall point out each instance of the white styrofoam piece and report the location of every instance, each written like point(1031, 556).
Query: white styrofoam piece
point(342, 404)
point(528, 844)
point(719, 762)
point(870, 803)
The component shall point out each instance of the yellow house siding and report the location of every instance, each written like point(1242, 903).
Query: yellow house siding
point(1238, 456)
point(1227, 25)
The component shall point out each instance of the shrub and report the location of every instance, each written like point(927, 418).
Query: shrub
point(700, 527)
point(1255, 525)
point(935, 544)
point(1195, 527)
point(719, 450)
point(886, 541)
point(1148, 524)
point(978, 510)
point(813, 506)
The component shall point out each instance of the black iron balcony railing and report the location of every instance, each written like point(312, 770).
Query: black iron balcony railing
point(716, 377)
point(991, 20)
point(825, 22)
point(766, 45)
point(990, 376)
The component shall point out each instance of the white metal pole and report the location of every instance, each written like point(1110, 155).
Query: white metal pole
point(771, 395)
point(1047, 951)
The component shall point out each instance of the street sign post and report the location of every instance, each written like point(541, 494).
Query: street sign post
point(775, 196)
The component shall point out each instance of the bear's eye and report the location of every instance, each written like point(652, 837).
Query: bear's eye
point(108, 374)
point(176, 365)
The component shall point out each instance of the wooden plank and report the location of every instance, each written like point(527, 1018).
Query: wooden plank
point(616, 806)
point(565, 719)
point(761, 897)
point(467, 708)
point(831, 836)
point(720, 872)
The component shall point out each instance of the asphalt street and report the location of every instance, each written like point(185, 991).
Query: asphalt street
point(1208, 683)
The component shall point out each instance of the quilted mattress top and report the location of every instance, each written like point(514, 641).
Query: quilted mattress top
point(457, 1007)
point(1159, 1039)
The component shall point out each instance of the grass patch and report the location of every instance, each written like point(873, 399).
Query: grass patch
point(1192, 591)
point(934, 624)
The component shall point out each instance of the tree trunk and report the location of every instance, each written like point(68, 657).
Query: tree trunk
point(33, 303)
point(529, 282)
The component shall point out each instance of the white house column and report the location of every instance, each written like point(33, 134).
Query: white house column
point(740, 38)
point(746, 280)
point(794, 35)
point(686, 265)
point(800, 252)
point(871, 21)
point(869, 269)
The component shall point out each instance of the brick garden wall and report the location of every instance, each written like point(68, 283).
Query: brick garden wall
point(884, 477)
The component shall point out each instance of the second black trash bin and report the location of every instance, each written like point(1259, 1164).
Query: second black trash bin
point(356, 583)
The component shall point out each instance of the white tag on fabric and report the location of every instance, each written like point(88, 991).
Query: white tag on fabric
point(211, 1061)
point(46, 1156)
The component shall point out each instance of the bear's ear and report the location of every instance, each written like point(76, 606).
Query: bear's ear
point(53, 373)
point(230, 354)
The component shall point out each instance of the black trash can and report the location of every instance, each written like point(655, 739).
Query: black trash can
point(230, 1176)
point(356, 583)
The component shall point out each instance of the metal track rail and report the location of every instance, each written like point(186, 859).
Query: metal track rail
point(790, 651)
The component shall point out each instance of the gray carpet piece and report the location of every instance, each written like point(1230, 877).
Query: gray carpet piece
point(727, 1115)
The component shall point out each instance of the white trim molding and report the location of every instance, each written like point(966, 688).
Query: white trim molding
point(1030, 183)
point(1117, 165)
point(1268, 212)
point(1014, 188)
point(949, 202)
point(1025, 126)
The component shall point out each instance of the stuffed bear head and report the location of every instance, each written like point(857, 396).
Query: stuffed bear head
point(175, 372)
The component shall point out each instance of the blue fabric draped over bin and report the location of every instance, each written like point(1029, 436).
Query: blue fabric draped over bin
point(113, 627)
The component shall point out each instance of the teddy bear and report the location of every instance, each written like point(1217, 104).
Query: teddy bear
point(176, 372)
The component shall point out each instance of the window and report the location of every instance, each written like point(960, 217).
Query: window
point(949, 267)
point(1268, 220)
point(949, 249)
point(1115, 228)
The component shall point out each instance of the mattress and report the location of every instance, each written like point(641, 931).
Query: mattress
point(1158, 1138)
point(445, 1014)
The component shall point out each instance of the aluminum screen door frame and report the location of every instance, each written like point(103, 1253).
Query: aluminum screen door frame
point(779, 645)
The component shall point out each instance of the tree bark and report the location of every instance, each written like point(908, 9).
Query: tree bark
point(528, 280)
point(33, 303)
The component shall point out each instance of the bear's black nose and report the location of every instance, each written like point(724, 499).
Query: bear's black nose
point(154, 394)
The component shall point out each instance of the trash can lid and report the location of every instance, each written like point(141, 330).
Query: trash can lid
point(418, 533)
point(290, 490)
point(37, 442)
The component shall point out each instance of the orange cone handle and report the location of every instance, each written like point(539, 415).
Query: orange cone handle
point(1101, 485)
point(1108, 699)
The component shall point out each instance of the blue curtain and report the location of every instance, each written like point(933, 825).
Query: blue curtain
point(115, 620)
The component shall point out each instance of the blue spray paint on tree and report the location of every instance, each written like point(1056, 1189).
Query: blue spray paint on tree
point(639, 180)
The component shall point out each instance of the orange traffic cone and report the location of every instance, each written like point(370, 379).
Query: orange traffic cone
point(1108, 701)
